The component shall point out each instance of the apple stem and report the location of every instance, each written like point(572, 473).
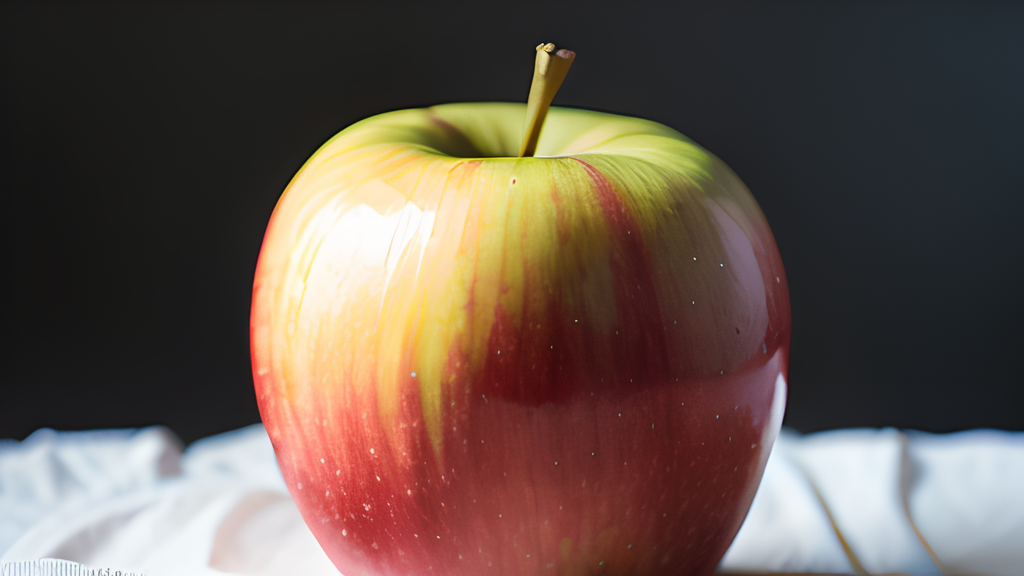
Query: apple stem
point(549, 71)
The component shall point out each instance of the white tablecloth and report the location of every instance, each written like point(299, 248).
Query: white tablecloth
point(133, 500)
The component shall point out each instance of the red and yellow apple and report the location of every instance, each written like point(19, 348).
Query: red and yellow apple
point(474, 363)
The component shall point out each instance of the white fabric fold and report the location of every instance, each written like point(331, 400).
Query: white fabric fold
point(877, 500)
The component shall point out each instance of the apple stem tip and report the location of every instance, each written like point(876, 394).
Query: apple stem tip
point(550, 68)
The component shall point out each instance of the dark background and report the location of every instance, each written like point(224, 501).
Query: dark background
point(144, 148)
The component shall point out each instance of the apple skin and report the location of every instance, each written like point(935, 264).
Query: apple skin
point(470, 363)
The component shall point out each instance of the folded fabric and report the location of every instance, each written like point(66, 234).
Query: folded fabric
point(843, 501)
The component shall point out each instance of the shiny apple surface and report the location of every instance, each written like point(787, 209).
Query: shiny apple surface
point(472, 364)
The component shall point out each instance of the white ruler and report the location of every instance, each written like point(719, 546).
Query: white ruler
point(51, 567)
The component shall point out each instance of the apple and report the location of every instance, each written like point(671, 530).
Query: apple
point(570, 361)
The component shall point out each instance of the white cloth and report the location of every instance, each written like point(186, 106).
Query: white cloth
point(132, 500)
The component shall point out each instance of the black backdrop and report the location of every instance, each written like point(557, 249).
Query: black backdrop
point(144, 148)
